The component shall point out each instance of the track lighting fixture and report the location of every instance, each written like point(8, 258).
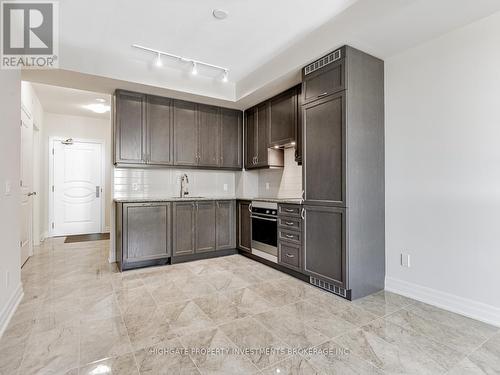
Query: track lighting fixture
point(195, 63)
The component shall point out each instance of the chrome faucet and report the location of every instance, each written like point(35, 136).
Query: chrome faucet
point(184, 185)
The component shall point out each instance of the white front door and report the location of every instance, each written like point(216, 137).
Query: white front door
point(77, 187)
point(26, 183)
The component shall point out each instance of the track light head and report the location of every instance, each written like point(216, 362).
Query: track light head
point(194, 71)
point(225, 77)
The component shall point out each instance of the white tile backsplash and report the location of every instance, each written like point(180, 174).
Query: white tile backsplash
point(149, 183)
point(166, 182)
point(282, 182)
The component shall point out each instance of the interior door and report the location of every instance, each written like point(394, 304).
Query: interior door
point(26, 183)
point(77, 187)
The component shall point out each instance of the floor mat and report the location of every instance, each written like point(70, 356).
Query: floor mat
point(87, 237)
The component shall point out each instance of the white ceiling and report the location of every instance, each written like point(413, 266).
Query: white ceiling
point(263, 43)
point(68, 101)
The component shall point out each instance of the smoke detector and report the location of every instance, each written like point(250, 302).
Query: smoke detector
point(220, 14)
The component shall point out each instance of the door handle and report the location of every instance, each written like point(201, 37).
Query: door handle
point(31, 193)
point(97, 191)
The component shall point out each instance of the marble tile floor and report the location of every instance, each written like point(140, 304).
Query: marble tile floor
point(228, 315)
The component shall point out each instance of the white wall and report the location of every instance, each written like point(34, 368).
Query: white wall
point(66, 126)
point(443, 170)
point(10, 267)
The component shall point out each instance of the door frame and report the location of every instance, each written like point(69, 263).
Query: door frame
point(102, 215)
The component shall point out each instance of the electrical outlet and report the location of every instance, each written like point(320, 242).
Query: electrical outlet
point(135, 186)
point(405, 260)
point(8, 187)
point(267, 185)
point(225, 187)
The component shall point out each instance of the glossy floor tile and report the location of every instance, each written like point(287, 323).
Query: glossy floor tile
point(228, 315)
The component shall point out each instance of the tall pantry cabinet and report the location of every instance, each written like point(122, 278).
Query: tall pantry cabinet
point(343, 172)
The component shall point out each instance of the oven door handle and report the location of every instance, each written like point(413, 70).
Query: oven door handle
point(263, 218)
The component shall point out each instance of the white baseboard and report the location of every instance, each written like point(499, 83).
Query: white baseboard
point(9, 310)
point(463, 306)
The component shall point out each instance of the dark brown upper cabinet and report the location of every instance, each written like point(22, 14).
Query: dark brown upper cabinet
point(163, 132)
point(185, 133)
point(327, 80)
point(258, 154)
point(231, 137)
point(324, 159)
point(159, 130)
point(283, 113)
point(130, 128)
point(208, 135)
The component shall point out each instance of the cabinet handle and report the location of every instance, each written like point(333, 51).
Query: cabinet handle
point(289, 222)
point(289, 235)
point(322, 94)
point(303, 214)
point(288, 210)
point(250, 207)
point(290, 255)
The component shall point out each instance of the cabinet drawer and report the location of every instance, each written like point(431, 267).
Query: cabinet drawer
point(292, 223)
point(289, 254)
point(287, 235)
point(289, 209)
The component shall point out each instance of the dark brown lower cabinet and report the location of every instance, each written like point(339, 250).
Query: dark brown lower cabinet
point(205, 227)
point(143, 234)
point(183, 228)
point(225, 224)
point(244, 226)
point(324, 244)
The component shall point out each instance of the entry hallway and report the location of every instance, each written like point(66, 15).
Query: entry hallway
point(80, 316)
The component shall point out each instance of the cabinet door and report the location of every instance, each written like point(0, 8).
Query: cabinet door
point(209, 135)
point(324, 81)
point(324, 243)
point(244, 227)
point(324, 160)
point(230, 139)
point(146, 229)
point(185, 133)
point(250, 138)
point(183, 228)
point(205, 227)
point(225, 225)
point(130, 128)
point(283, 118)
point(159, 125)
point(262, 134)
